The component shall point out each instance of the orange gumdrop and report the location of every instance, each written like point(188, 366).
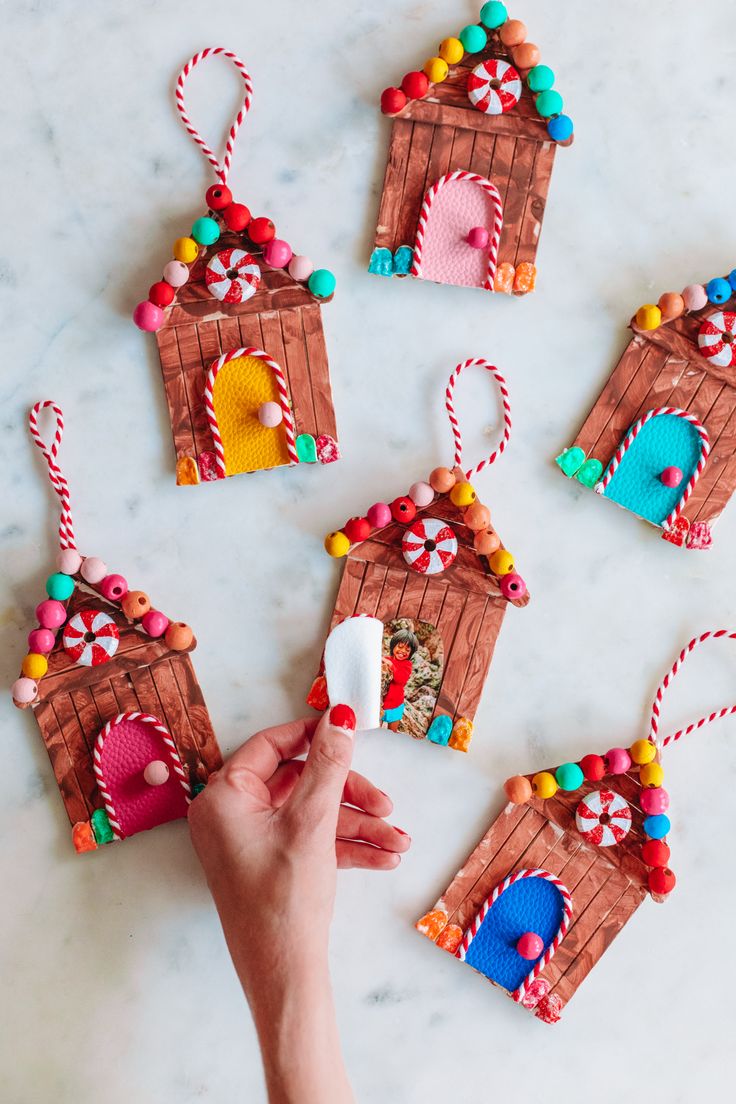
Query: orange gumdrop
point(526, 278)
point(450, 938)
point(526, 56)
point(187, 473)
point(504, 279)
point(317, 696)
point(432, 923)
point(83, 837)
point(462, 734)
point(513, 32)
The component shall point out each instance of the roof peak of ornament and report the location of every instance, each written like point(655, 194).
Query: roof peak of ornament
point(716, 292)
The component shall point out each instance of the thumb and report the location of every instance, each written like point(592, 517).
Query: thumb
point(328, 763)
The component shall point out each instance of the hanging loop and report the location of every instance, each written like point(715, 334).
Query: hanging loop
point(56, 475)
point(222, 169)
point(653, 735)
point(479, 363)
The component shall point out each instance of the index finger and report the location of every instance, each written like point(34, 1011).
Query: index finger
point(264, 751)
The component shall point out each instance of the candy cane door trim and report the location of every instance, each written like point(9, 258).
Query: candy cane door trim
point(637, 476)
point(123, 750)
point(237, 386)
point(456, 204)
point(527, 902)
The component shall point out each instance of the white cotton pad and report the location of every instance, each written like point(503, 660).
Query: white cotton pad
point(353, 668)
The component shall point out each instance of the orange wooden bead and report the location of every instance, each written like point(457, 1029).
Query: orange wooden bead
point(178, 636)
point(513, 33)
point(672, 305)
point(442, 480)
point(135, 604)
point(518, 789)
point(526, 56)
point(477, 517)
point(486, 542)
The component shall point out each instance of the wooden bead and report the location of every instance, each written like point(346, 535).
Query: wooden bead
point(526, 56)
point(357, 529)
point(473, 38)
point(176, 274)
point(60, 586)
point(513, 33)
point(415, 85)
point(135, 604)
point(617, 760)
point(337, 544)
point(442, 480)
point(155, 623)
point(261, 230)
point(50, 614)
point(501, 562)
point(148, 317)
point(569, 776)
point(661, 881)
point(477, 517)
point(695, 297)
point(512, 586)
point(436, 70)
point(161, 294)
point(421, 494)
point(403, 510)
point(478, 237)
point(68, 561)
point(277, 253)
point(185, 250)
point(114, 588)
point(486, 542)
point(270, 414)
point(493, 14)
point(156, 773)
point(205, 231)
point(529, 946)
point(236, 217)
point(462, 494)
point(655, 853)
point(654, 800)
point(718, 290)
point(41, 640)
point(671, 304)
point(321, 283)
point(651, 774)
point(34, 666)
point(24, 691)
point(379, 515)
point(549, 103)
point(393, 100)
point(93, 570)
point(218, 197)
point(518, 789)
point(649, 317)
point(300, 268)
point(178, 636)
point(643, 751)
point(544, 785)
point(593, 767)
point(451, 50)
point(540, 79)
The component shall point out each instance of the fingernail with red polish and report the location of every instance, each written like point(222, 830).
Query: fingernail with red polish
point(342, 716)
point(401, 831)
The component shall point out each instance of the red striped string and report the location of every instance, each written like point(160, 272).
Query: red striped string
point(222, 169)
point(56, 475)
point(653, 735)
point(479, 363)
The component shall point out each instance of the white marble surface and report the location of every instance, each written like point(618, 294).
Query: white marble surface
point(116, 982)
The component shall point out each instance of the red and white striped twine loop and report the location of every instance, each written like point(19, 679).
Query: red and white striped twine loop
point(222, 168)
point(653, 735)
point(56, 475)
point(479, 363)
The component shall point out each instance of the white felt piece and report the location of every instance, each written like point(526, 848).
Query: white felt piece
point(353, 669)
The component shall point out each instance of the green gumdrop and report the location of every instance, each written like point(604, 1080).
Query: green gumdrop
point(540, 78)
point(590, 472)
point(306, 448)
point(101, 826)
point(205, 231)
point(569, 776)
point(59, 586)
point(473, 38)
point(570, 461)
point(322, 283)
point(549, 103)
point(493, 14)
point(440, 730)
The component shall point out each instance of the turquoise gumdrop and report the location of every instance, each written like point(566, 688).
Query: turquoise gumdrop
point(570, 461)
point(549, 103)
point(381, 262)
point(322, 283)
point(493, 14)
point(59, 586)
point(306, 448)
point(205, 231)
point(590, 473)
point(440, 730)
point(473, 38)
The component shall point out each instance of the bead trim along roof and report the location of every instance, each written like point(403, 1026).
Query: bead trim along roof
point(495, 34)
point(694, 297)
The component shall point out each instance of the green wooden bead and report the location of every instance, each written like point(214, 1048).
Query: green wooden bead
point(493, 14)
point(569, 776)
point(322, 283)
point(205, 231)
point(60, 586)
point(540, 78)
point(549, 103)
point(473, 38)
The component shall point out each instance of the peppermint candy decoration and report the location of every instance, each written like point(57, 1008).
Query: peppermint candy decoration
point(429, 546)
point(603, 818)
point(91, 638)
point(717, 339)
point(233, 276)
point(494, 87)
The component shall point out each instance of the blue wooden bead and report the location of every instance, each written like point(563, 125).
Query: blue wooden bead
point(205, 231)
point(560, 128)
point(440, 730)
point(473, 38)
point(569, 776)
point(60, 587)
point(493, 14)
point(732, 279)
point(549, 103)
point(718, 290)
point(657, 826)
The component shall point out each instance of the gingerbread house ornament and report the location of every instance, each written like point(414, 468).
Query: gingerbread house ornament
point(564, 867)
point(110, 682)
point(659, 440)
point(237, 317)
point(473, 142)
point(432, 571)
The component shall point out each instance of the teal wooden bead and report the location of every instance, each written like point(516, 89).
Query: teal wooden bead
point(473, 38)
point(549, 103)
point(540, 78)
point(205, 231)
point(60, 587)
point(569, 776)
point(732, 279)
point(493, 15)
point(657, 826)
point(322, 283)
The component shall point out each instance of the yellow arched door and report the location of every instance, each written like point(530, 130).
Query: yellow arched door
point(240, 387)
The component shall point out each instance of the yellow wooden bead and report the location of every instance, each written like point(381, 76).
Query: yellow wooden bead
point(34, 665)
point(462, 494)
point(452, 50)
point(337, 544)
point(649, 317)
point(651, 774)
point(544, 785)
point(501, 562)
point(436, 69)
point(185, 250)
point(642, 751)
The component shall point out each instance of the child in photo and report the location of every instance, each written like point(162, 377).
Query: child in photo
point(401, 652)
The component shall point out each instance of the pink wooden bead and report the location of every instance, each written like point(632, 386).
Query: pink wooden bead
point(617, 760)
point(41, 640)
point(530, 945)
point(155, 623)
point(379, 515)
point(270, 415)
point(176, 274)
point(93, 570)
point(421, 494)
point(479, 237)
point(671, 477)
point(24, 691)
point(655, 801)
point(50, 614)
point(512, 586)
point(156, 773)
point(147, 316)
point(68, 561)
point(277, 253)
point(695, 297)
point(300, 268)
point(114, 588)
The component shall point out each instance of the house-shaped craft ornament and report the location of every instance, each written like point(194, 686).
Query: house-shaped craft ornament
point(433, 570)
point(238, 321)
point(659, 441)
point(112, 688)
point(473, 143)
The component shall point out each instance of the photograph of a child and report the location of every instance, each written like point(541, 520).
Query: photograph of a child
point(411, 675)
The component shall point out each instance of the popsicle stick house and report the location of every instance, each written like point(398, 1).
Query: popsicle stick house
point(661, 438)
point(473, 142)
